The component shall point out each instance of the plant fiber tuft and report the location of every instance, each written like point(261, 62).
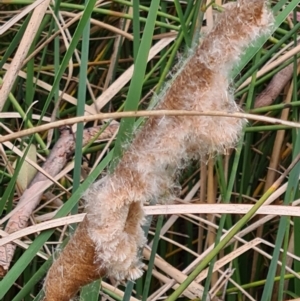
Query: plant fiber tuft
point(164, 145)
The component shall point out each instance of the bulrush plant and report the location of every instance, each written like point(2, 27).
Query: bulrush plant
point(106, 243)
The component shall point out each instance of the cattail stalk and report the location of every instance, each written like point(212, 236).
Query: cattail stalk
point(112, 232)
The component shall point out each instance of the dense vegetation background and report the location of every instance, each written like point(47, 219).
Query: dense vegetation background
point(79, 62)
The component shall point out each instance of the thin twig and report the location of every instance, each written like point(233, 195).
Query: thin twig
point(131, 114)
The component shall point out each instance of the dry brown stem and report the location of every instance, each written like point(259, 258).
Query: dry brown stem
point(164, 145)
point(57, 159)
point(146, 113)
point(276, 85)
point(21, 53)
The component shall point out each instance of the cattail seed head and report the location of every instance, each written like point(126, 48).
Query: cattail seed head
point(165, 144)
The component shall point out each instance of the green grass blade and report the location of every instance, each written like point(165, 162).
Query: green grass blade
point(15, 42)
point(184, 29)
point(91, 291)
point(136, 28)
point(128, 291)
point(33, 280)
point(81, 101)
point(76, 36)
point(293, 182)
point(134, 92)
point(152, 257)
